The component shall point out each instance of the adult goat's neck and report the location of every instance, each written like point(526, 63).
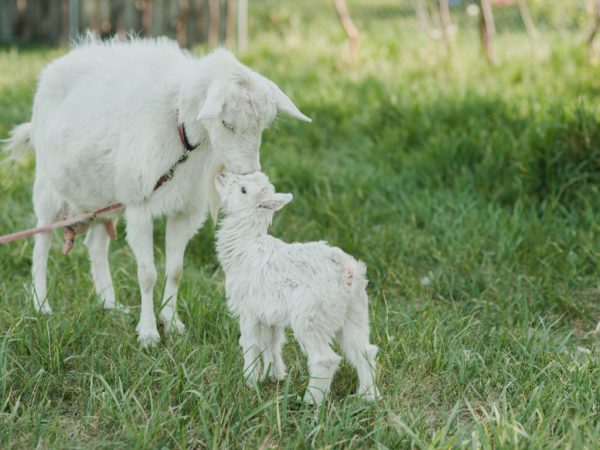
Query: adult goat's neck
point(191, 94)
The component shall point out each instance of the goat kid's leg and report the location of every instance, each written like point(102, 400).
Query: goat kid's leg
point(180, 230)
point(250, 341)
point(354, 340)
point(139, 237)
point(274, 366)
point(97, 242)
point(322, 364)
point(361, 355)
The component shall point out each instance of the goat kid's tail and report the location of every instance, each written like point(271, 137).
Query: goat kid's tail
point(19, 142)
point(355, 275)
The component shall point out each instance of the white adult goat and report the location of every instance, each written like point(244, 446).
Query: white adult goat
point(109, 120)
point(317, 290)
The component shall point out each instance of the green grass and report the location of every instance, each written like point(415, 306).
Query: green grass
point(483, 179)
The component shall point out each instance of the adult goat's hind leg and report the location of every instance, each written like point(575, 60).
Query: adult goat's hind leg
point(47, 210)
point(180, 230)
point(97, 242)
point(139, 237)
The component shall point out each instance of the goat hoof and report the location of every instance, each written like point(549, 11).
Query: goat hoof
point(148, 338)
point(277, 376)
point(173, 325)
point(116, 306)
point(252, 384)
point(44, 309)
point(252, 379)
point(312, 398)
point(368, 393)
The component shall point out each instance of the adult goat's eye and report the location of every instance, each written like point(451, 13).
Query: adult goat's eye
point(228, 126)
point(243, 190)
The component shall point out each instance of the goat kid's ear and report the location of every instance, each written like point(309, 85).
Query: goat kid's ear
point(276, 202)
point(284, 104)
point(213, 104)
point(220, 182)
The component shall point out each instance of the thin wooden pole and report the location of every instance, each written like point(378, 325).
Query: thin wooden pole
point(447, 28)
point(527, 20)
point(353, 36)
point(591, 47)
point(425, 22)
point(182, 23)
point(215, 19)
point(73, 19)
point(230, 24)
point(242, 25)
point(488, 30)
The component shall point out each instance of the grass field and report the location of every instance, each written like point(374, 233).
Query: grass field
point(482, 180)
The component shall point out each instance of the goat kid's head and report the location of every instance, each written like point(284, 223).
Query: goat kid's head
point(236, 110)
point(249, 194)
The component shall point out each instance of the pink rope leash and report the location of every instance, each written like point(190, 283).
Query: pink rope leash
point(68, 223)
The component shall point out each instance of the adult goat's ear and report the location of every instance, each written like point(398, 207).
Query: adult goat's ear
point(284, 104)
point(213, 103)
point(276, 202)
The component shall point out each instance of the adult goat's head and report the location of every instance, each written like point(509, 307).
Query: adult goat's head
point(237, 107)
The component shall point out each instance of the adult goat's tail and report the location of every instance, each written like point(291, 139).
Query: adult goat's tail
point(19, 142)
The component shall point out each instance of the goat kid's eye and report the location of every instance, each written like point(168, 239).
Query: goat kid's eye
point(243, 190)
point(228, 126)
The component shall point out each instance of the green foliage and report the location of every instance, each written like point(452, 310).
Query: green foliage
point(484, 180)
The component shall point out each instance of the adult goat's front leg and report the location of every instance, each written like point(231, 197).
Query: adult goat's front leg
point(180, 229)
point(97, 241)
point(139, 237)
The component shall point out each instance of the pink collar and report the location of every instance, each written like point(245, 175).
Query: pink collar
point(184, 139)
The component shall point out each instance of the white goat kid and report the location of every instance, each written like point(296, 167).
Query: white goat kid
point(317, 290)
point(109, 119)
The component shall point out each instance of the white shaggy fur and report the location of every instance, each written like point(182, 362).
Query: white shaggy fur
point(104, 130)
point(317, 290)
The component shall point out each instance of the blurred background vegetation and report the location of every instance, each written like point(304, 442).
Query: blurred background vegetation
point(466, 177)
point(236, 22)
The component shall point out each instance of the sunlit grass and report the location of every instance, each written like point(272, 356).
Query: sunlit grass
point(482, 179)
